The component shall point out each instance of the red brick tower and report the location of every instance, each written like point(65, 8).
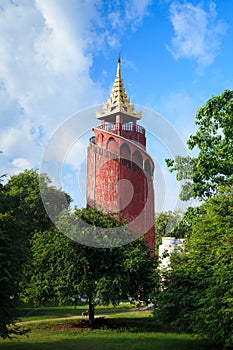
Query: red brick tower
point(119, 170)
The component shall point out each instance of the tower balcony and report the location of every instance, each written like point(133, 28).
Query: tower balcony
point(129, 131)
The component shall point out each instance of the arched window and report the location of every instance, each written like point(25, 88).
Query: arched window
point(125, 154)
point(112, 145)
point(125, 151)
point(137, 159)
point(100, 138)
point(147, 167)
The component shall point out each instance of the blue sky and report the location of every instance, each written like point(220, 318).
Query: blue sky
point(58, 58)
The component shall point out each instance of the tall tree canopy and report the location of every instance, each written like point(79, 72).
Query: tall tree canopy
point(197, 289)
point(62, 268)
point(12, 256)
point(213, 166)
point(23, 192)
point(21, 214)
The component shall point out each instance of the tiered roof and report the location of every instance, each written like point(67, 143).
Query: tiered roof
point(118, 100)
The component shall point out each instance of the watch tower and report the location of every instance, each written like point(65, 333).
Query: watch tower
point(119, 170)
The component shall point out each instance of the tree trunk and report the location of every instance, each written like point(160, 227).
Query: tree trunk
point(91, 312)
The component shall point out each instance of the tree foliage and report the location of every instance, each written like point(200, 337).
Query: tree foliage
point(197, 290)
point(40, 263)
point(21, 213)
point(167, 222)
point(12, 256)
point(62, 268)
point(213, 166)
point(23, 192)
point(94, 228)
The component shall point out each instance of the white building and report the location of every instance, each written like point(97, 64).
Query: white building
point(169, 245)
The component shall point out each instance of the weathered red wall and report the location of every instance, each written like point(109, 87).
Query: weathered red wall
point(116, 183)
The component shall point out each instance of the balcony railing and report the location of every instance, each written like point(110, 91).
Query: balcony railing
point(116, 127)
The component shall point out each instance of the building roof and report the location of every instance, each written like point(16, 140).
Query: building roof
point(118, 100)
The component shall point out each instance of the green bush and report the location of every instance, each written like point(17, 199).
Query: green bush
point(197, 290)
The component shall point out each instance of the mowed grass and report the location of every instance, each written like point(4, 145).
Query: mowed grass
point(105, 340)
point(28, 313)
point(121, 330)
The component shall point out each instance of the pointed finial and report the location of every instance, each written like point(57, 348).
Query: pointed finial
point(118, 100)
point(119, 66)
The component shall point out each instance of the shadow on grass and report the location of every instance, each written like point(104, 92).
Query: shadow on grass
point(111, 333)
point(48, 312)
point(114, 341)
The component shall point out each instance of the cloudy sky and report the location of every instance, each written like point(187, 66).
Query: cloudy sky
point(58, 60)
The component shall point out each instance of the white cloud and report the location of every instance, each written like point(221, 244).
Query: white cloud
point(137, 9)
point(121, 16)
point(21, 164)
point(44, 75)
point(47, 50)
point(115, 19)
point(61, 43)
point(44, 71)
point(197, 32)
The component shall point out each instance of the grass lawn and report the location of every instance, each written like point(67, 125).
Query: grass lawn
point(28, 313)
point(136, 331)
point(44, 339)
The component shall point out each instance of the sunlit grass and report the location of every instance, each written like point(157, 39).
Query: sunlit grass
point(124, 328)
point(51, 312)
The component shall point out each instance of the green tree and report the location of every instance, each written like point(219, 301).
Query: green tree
point(24, 197)
point(166, 222)
point(213, 166)
point(21, 213)
point(12, 256)
point(197, 290)
point(62, 268)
